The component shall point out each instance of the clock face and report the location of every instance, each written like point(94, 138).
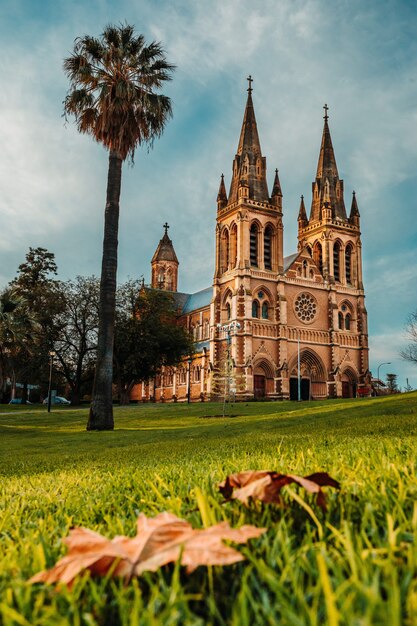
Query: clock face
point(305, 307)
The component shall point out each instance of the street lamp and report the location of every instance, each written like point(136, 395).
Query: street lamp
point(189, 361)
point(377, 376)
point(51, 354)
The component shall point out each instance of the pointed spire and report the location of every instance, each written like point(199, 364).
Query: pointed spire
point(249, 166)
point(326, 167)
point(327, 178)
point(302, 215)
point(222, 195)
point(276, 189)
point(165, 250)
point(354, 210)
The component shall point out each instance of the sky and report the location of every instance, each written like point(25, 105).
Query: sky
point(358, 57)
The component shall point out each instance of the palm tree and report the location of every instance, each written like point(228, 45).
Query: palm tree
point(113, 80)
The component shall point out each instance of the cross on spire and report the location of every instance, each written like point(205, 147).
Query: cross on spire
point(325, 117)
point(166, 226)
point(250, 81)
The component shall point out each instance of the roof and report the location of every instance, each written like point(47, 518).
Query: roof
point(289, 260)
point(165, 251)
point(198, 300)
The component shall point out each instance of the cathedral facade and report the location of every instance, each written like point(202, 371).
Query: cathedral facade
point(292, 327)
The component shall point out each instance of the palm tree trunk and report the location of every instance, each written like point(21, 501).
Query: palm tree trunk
point(101, 410)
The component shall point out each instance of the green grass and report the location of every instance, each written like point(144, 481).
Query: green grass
point(354, 565)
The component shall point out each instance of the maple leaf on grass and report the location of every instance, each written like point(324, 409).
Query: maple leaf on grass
point(266, 486)
point(159, 541)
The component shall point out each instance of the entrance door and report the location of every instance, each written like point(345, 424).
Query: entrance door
point(304, 389)
point(346, 389)
point(259, 385)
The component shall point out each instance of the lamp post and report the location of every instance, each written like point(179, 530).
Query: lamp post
point(51, 355)
point(298, 368)
point(377, 376)
point(229, 329)
point(189, 361)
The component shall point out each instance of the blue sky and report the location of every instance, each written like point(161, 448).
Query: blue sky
point(359, 57)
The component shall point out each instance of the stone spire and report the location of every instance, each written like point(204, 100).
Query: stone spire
point(164, 265)
point(222, 195)
point(249, 166)
point(302, 215)
point(276, 196)
point(327, 181)
point(354, 211)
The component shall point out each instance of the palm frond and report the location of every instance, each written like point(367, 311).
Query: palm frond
point(113, 95)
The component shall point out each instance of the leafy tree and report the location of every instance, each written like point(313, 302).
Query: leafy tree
point(36, 285)
point(112, 97)
point(18, 332)
point(392, 385)
point(76, 333)
point(410, 352)
point(147, 336)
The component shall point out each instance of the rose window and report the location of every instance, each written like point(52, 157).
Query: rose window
point(305, 307)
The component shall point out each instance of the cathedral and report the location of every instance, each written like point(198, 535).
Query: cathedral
point(292, 327)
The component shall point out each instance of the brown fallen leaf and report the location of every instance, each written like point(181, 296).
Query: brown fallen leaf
point(159, 541)
point(266, 486)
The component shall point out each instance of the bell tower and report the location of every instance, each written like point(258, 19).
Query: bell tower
point(249, 252)
point(334, 241)
point(332, 238)
point(164, 265)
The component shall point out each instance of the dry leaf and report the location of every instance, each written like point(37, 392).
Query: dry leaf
point(266, 486)
point(159, 541)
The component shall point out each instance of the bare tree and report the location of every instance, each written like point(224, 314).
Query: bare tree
point(410, 352)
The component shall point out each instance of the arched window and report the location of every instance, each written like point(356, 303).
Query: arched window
point(228, 311)
point(225, 250)
point(318, 256)
point(206, 330)
point(254, 245)
point(348, 264)
point(305, 268)
point(336, 261)
point(233, 246)
point(265, 310)
point(347, 321)
point(267, 248)
point(169, 280)
point(255, 308)
point(340, 320)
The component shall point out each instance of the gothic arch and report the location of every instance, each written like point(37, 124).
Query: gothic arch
point(350, 262)
point(349, 378)
point(255, 230)
point(263, 377)
point(313, 375)
point(226, 296)
point(233, 245)
point(318, 255)
point(266, 291)
point(338, 251)
point(224, 249)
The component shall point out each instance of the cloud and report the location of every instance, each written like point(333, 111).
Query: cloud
point(360, 58)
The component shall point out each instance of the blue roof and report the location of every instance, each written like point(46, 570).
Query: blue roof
point(288, 260)
point(198, 300)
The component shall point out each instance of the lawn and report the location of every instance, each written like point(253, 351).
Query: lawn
point(354, 565)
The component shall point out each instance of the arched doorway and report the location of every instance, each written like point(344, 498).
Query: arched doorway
point(263, 379)
point(349, 383)
point(313, 383)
